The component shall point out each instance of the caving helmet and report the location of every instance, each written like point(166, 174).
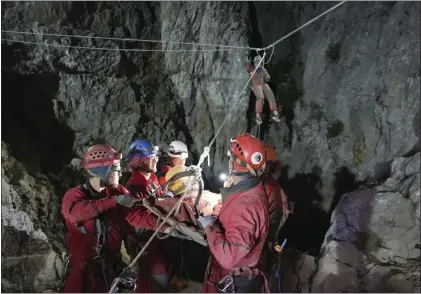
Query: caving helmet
point(247, 155)
point(100, 160)
point(178, 149)
point(140, 150)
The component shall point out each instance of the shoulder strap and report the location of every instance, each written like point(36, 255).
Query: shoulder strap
point(101, 225)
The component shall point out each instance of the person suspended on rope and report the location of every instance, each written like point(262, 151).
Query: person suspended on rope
point(237, 236)
point(153, 269)
point(178, 153)
point(278, 211)
point(261, 89)
point(96, 220)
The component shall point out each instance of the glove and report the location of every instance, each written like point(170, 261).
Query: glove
point(205, 221)
point(127, 200)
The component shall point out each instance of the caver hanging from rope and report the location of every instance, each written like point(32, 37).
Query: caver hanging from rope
point(97, 220)
point(278, 211)
point(237, 237)
point(178, 153)
point(153, 268)
point(261, 89)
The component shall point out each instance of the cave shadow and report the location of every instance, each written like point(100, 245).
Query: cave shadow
point(310, 224)
point(306, 227)
point(344, 183)
point(36, 138)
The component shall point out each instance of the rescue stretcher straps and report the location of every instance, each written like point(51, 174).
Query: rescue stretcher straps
point(115, 283)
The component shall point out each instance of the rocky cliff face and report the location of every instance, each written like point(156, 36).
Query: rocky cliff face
point(353, 85)
point(112, 96)
point(349, 87)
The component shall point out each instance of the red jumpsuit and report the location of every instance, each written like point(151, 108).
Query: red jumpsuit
point(278, 204)
point(236, 241)
point(85, 211)
point(153, 263)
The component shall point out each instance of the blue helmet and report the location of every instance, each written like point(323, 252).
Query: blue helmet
point(141, 149)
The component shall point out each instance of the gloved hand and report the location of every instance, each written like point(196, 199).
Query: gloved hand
point(127, 200)
point(205, 221)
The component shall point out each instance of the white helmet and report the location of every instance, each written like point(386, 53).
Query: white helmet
point(178, 149)
point(257, 59)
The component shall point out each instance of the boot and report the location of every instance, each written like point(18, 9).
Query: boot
point(275, 116)
point(258, 119)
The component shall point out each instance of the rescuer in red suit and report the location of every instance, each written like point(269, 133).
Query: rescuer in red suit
point(97, 215)
point(237, 237)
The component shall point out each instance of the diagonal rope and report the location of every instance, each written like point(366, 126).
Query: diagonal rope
point(304, 25)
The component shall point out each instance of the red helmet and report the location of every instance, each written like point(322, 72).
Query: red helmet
point(100, 156)
point(247, 154)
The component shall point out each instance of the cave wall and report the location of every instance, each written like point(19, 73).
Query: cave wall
point(111, 96)
point(349, 85)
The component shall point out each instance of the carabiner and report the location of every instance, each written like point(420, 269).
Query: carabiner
point(228, 281)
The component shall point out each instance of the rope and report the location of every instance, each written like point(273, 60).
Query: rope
point(116, 49)
point(129, 39)
point(270, 57)
point(207, 148)
point(273, 37)
point(304, 25)
point(258, 131)
point(229, 47)
point(114, 285)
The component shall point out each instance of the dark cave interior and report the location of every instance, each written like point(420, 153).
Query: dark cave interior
point(44, 144)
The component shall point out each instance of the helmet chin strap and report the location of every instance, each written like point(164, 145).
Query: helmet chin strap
point(242, 163)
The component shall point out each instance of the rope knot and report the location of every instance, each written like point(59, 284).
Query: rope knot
point(196, 171)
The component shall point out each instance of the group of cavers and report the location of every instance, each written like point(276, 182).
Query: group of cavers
point(242, 228)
